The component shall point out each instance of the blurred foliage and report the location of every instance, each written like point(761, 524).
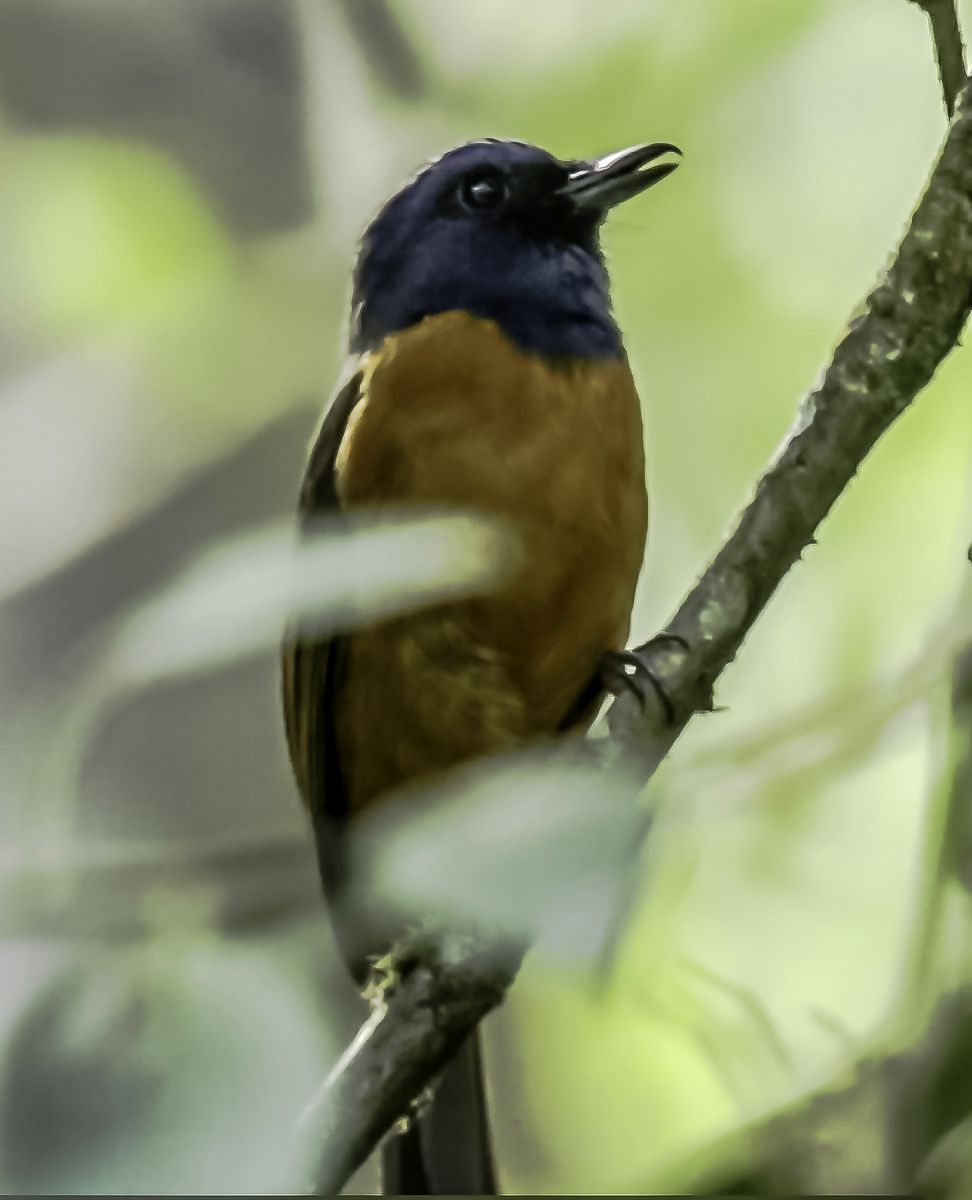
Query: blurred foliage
point(181, 191)
point(127, 220)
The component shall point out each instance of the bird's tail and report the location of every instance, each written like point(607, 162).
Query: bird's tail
point(446, 1149)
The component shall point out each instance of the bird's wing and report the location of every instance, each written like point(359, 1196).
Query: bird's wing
point(312, 665)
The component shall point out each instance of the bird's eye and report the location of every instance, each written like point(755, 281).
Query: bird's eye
point(485, 190)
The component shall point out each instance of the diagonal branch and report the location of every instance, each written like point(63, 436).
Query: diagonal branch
point(947, 33)
point(408, 1040)
point(892, 348)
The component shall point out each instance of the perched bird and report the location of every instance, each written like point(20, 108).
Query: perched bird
point(488, 375)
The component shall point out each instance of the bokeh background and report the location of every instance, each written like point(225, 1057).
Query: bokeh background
point(181, 186)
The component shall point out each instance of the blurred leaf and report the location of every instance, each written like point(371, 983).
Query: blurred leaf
point(217, 86)
point(109, 891)
point(537, 846)
point(175, 1067)
point(93, 229)
point(235, 600)
point(946, 1174)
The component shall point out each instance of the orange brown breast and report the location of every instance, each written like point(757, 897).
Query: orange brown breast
point(452, 414)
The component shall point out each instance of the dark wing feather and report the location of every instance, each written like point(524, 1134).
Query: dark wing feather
point(312, 665)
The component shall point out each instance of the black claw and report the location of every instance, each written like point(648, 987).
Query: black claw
point(662, 696)
point(627, 670)
point(619, 670)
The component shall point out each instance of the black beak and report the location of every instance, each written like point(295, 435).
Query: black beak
point(617, 177)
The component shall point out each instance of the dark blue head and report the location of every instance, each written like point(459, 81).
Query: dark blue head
point(505, 231)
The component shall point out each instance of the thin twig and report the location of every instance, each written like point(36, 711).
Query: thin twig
point(909, 324)
point(949, 49)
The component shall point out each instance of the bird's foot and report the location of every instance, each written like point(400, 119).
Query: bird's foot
point(632, 671)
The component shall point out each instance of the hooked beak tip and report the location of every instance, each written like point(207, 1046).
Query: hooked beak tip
point(617, 177)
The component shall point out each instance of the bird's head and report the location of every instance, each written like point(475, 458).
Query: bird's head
point(505, 231)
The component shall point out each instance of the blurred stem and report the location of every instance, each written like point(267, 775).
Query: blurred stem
point(958, 830)
point(909, 324)
point(923, 978)
point(949, 49)
point(385, 46)
point(881, 1125)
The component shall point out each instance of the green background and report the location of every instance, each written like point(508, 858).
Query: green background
point(173, 997)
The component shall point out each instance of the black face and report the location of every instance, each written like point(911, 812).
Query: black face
point(504, 231)
point(525, 195)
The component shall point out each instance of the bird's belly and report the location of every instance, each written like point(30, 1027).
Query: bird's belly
point(555, 453)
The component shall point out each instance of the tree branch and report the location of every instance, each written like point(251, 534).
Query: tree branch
point(908, 325)
point(439, 998)
point(949, 50)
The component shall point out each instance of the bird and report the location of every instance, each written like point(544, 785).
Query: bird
point(487, 373)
